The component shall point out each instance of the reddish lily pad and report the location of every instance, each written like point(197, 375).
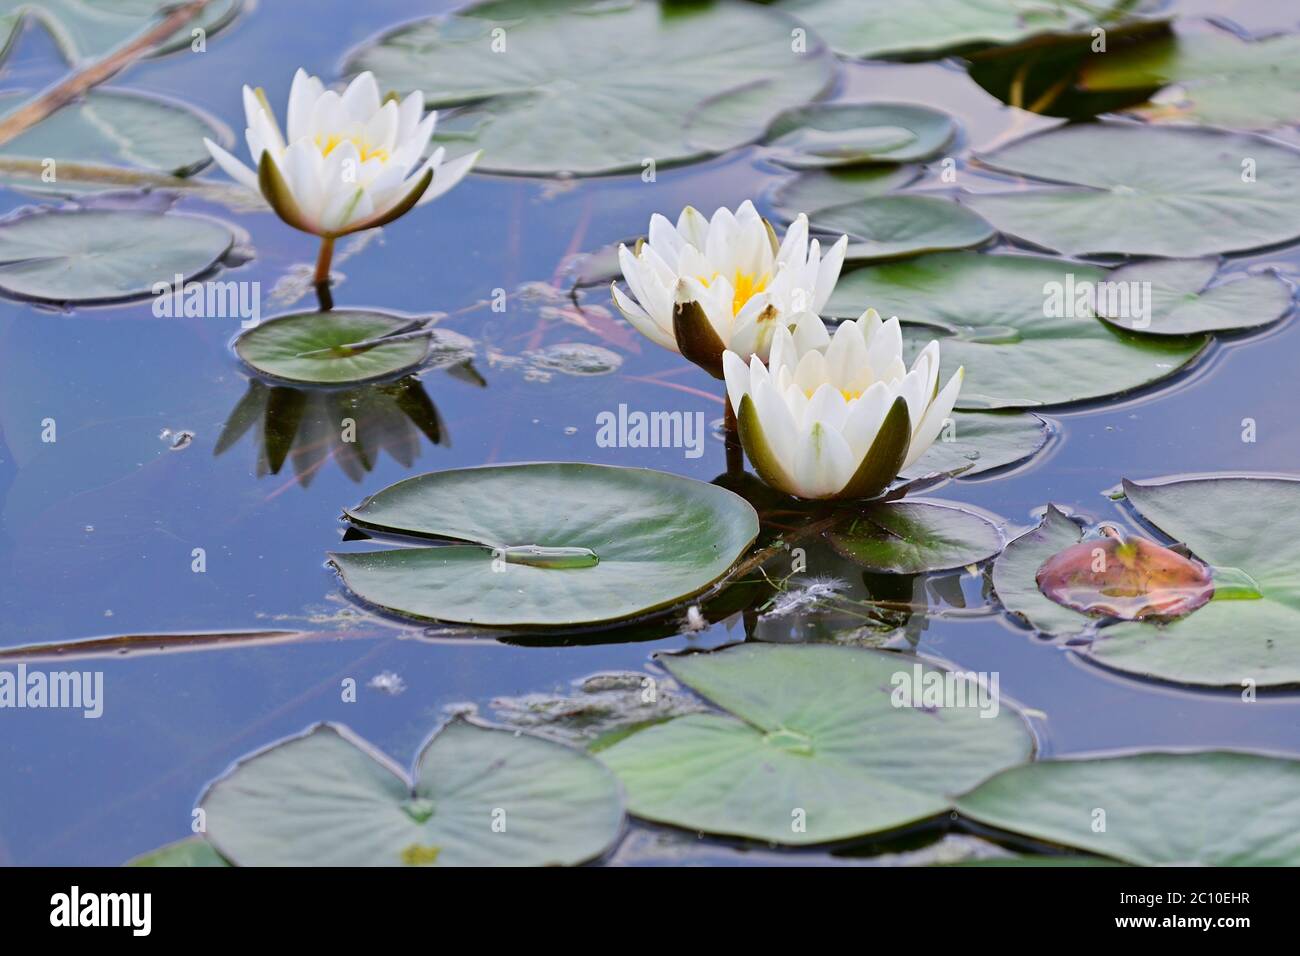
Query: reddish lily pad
point(1132, 579)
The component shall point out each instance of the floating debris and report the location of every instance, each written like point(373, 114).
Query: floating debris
point(576, 358)
point(387, 682)
point(176, 440)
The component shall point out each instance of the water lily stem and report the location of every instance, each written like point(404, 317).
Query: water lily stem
point(322, 278)
point(76, 84)
point(731, 441)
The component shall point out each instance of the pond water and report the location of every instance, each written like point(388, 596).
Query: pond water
point(98, 529)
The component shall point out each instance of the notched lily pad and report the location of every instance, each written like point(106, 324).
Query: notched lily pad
point(1160, 809)
point(479, 796)
point(817, 189)
point(340, 347)
point(546, 545)
point(915, 537)
point(539, 103)
point(816, 744)
point(1184, 299)
point(1133, 579)
point(193, 851)
point(102, 255)
point(846, 134)
point(892, 227)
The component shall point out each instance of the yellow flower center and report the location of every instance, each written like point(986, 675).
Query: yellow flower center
point(849, 394)
point(327, 145)
point(746, 284)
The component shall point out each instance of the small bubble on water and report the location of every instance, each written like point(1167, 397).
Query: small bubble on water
point(571, 430)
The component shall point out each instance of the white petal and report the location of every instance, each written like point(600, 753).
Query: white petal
point(446, 175)
point(361, 98)
point(232, 167)
point(736, 374)
point(823, 463)
point(866, 415)
point(923, 436)
point(642, 321)
point(828, 273)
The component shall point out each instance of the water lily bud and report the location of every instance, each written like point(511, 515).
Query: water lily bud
point(837, 416)
point(706, 286)
point(349, 161)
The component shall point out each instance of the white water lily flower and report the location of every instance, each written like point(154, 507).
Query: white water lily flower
point(838, 417)
point(348, 162)
point(708, 285)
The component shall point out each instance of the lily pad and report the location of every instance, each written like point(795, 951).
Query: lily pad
point(1132, 579)
point(818, 189)
point(116, 129)
point(550, 544)
point(480, 797)
point(322, 347)
point(1015, 570)
point(88, 30)
point(1246, 528)
point(84, 255)
point(1184, 302)
point(891, 227)
point(885, 28)
point(1001, 317)
point(539, 103)
point(977, 442)
point(812, 748)
point(915, 537)
point(1190, 809)
point(846, 134)
point(1124, 189)
point(1211, 78)
point(194, 851)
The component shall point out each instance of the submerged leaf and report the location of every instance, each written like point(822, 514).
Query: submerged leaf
point(1133, 579)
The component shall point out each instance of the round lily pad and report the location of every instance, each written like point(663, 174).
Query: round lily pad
point(890, 227)
point(88, 30)
point(480, 796)
point(110, 128)
point(884, 28)
point(976, 442)
point(1184, 302)
point(1016, 324)
point(1124, 189)
point(915, 537)
point(1245, 528)
point(83, 255)
point(811, 747)
point(332, 348)
point(1153, 809)
point(549, 544)
point(194, 851)
point(1210, 77)
point(822, 188)
point(1016, 569)
point(539, 103)
point(845, 134)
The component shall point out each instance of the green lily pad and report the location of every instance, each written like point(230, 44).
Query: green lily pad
point(1211, 78)
point(1015, 570)
point(811, 748)
point(194, 851)
point(83, 255)
point(550, 544)
point(885, 28)
point(1190, 809)
point(480, 797)
point(115, 129)
point(88, 29)
point(314, 346)
point(992, 316)
point(1183, 301)
point(818, 189)
point(846, 134)
point(891, 227)
point(977, 442)
point(1247, 524)
point(1124, 189)
point(915, 537)
point(546, 104)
